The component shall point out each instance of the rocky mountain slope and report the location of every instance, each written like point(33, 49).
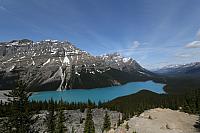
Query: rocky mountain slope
point(56, 65)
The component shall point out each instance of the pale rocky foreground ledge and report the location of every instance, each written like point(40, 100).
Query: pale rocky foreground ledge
point(160, 121)
point(151, 121)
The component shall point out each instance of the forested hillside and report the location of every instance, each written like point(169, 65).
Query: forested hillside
point(144, 100)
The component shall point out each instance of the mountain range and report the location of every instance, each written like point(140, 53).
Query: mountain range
point(180, 78)
point(58, 65)
point(183, 70)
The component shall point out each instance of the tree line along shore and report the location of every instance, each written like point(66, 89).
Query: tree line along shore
point(19, 111)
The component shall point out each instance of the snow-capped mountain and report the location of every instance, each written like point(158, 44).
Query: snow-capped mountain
point(192, 70)
point(56, 65)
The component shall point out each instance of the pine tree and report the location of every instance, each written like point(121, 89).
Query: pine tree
point(21, 117)
point(107, 123)
point(192, 102)
point(99, 104)
point(61, 119)
point(51, 118)
point(127, 126)
point(124, 117)
point(197, 125)
point(199, 122)
point(89, 123)
point(119, 121)
point(73, 131)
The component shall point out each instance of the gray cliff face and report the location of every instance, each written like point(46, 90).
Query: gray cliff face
point(56, 65)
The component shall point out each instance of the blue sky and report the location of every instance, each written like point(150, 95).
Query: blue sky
point(154, 32)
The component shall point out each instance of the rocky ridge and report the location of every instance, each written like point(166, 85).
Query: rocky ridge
point(58, 65)
point(75, 119)
point(184, 70)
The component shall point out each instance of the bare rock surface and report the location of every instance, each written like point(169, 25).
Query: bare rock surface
point(75, 119)
point(160, 121)
point(151, 121)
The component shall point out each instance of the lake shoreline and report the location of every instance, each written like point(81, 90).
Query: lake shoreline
point(88, 91)
point(98, 94)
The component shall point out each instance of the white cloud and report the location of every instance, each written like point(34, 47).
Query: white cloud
point(135, 45)
point(130, 49)
point(194, 44)
point(183, 55)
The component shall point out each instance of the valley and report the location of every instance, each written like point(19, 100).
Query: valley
point(61, 82)
point(108, 93)
point(99, 66)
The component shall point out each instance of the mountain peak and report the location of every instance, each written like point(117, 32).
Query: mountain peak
point(58, 65)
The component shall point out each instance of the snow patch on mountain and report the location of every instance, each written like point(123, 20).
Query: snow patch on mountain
point(66, 60)
point(9, 69)
point(126, 60)
point(33, 62)
point(77, 73)
point(48, 61)
point(62, 75)
point(10, 59)
point(22, 57)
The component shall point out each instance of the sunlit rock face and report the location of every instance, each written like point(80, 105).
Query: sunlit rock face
point(58, 65)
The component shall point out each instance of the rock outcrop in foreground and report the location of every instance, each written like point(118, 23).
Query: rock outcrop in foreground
point(160, 121)
point(151, 121)
point(75, 119)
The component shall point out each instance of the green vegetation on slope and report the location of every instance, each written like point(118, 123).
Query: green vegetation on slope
point(178, 85)
point(135, 104)
point(143, 100)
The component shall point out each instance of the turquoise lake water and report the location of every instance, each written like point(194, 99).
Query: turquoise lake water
point(98, 94)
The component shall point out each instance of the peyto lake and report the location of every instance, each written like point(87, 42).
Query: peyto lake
point(98, 94)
